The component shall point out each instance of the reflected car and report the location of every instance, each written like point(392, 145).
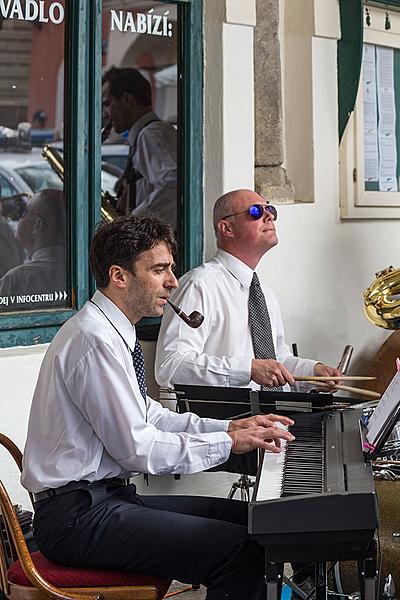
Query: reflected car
point(24, 174)
point(115, 154)
point(111, 154)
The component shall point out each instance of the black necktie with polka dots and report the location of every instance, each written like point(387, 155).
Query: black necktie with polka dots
point(138, 365)
point(260, 326)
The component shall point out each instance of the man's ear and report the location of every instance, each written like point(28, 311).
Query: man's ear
point(127, 98)
point(38, 224)
point(225, 228)
point(118, 276)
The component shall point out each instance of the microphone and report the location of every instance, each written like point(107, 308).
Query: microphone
point(194, 320)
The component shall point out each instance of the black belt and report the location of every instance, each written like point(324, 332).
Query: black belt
point(77, 485)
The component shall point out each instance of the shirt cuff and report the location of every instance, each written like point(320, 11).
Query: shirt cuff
point(216, 425)
point(240, 374)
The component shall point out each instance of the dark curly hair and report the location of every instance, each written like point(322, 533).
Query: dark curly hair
point(122, 241)
point(128, 80)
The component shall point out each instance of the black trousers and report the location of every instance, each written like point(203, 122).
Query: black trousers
point(191, 539)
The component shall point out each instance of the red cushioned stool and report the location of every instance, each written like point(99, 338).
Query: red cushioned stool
point(112, 584)
point(25, 576)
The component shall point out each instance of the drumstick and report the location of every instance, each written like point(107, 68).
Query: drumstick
point(336, 378)
point(348, 388)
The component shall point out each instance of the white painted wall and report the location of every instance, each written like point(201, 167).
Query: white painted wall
point(228, 103)
point(19, 368)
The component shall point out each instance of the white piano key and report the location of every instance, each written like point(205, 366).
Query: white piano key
point(270, 482)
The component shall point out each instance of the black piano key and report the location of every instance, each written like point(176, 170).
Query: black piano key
point(304, 463)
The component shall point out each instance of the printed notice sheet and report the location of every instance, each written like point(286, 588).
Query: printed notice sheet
point(371, 157)
point(387, 119)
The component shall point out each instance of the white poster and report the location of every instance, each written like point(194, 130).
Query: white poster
point(371, 156)
point(386, 119)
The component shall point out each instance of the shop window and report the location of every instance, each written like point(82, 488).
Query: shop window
point(33, 206)
point(140, 93)
point(55, 176)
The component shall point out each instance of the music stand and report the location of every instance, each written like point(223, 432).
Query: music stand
point(291, 402)
point(237, 403)
point(216, 402)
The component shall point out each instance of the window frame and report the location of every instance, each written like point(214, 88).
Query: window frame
point(83, 159)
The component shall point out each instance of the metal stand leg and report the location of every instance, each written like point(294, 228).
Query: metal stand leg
point(321, 581)
point(368, 576)
point(273, 579)
point(244, 485)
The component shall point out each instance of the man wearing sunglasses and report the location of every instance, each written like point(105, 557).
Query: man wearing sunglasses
point(224, 351)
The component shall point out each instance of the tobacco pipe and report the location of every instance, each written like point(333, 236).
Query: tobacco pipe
point(194, 320)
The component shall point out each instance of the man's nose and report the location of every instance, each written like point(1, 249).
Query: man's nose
point(171, 281)
point(267, 215)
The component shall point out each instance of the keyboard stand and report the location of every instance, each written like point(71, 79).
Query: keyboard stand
point(244, 484)
point(273, 579)
point(321, 581)
point(368, 574)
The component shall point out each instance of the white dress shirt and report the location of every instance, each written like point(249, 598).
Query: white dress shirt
point(88, 417)
point(155, 158)
point(220, 351)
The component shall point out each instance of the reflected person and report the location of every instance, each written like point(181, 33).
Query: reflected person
point(149, 183)
point(41, 231)
point(11, 253)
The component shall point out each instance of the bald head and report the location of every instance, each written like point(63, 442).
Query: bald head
point(44, 223)
point(51, 204)
point(237, 232)
point(225, 204)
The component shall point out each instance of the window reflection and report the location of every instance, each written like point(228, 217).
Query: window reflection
point(140, 114)
point(33, 273)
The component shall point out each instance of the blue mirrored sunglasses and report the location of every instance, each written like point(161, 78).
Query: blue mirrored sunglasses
point(256, 211)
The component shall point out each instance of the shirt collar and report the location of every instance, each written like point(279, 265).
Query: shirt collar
point(138, 126)
point(236, 267)
point(49, 253)
point(117, 318)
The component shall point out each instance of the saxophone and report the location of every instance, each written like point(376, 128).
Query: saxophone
point(55, 160)
point(381, 305)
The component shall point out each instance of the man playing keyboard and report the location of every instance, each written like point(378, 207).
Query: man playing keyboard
point(92, 426)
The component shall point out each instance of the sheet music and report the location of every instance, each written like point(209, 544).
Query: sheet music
point(386, 405)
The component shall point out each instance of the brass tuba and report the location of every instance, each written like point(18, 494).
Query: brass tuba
point(380, 303)
point(55, 160)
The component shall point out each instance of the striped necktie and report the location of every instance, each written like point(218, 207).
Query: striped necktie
point(260, 326)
